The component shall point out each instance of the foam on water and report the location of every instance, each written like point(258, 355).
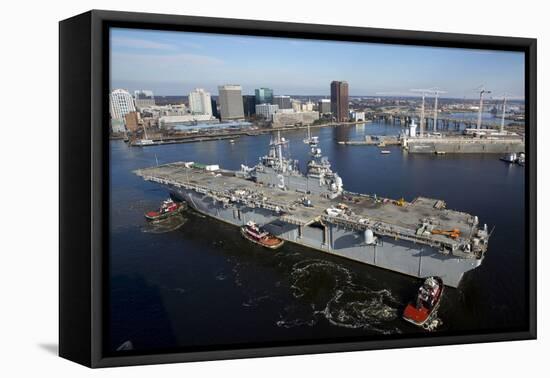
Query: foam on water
point(165, 225)
point(333, 293)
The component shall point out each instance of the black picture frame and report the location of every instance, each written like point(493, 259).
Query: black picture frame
point(84, 182)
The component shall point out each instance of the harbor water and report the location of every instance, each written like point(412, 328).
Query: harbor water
point(192, 282)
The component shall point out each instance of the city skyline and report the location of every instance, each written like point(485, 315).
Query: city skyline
point(174, 63)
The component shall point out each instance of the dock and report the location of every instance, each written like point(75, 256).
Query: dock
point(379, 141)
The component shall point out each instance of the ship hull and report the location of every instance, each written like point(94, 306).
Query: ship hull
point(400, 256)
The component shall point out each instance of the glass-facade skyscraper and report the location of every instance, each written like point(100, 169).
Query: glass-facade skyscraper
point(264, 95)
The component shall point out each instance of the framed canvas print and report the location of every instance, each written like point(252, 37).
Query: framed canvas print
point(235, 188)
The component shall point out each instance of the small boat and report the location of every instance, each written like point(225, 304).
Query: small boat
point(385, 152)
point(521, 159)
point(231, 141)
point(143, 142)
point(510, 158)
point(168, 208)
point(251, 231)
point(423, 312)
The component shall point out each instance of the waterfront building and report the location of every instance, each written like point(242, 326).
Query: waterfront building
point(121, 103)
point(157, 111)
point(266, 110)
point(324, 106)
point(249, 105)
point(200, 102)
point(282, 119)
point(264, 95)
point(143, 98)
point(339, 100)
point(172, 121)
point(231, 102)
point(357, 116)
point(132, 121)
point(117, 126)
point(282, 101)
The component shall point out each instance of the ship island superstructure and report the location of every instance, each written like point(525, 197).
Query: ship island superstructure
point(419, 238)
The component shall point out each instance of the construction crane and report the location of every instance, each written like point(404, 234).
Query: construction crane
point(436, 92)
point(505, 97)
point(422, 114)
point(482, 91)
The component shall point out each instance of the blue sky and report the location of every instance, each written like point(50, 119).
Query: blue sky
point(173, 63)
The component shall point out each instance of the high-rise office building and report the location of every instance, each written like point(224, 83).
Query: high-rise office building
point(339, 100)
point(324, 106)
point(282, 101)
point(200, 102)
point(264, 95)
point(249, 105)
point(231, 102)
point(122, 103)
point(214, 105)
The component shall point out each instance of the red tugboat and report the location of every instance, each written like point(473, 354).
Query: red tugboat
point(423, 312)
point(256, 234)
point(168, 208)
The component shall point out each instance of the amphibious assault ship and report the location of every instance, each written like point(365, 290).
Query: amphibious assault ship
point(419, 238)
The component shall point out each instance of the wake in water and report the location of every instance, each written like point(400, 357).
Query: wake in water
point(332, 293)
point(165, 225)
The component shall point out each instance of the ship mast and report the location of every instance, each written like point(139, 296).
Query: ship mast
point(280, 150)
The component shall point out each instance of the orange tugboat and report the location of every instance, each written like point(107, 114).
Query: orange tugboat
point(423, 312)
point(256, 234)
point(168, 208)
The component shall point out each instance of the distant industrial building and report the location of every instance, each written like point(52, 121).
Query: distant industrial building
point(339, 100)
point(200, 102)
point(249, 105)
point(264, 95)
point(121, 103)
point(324, 106)
point(281, 119)
point(282, 101)
point(143, 98)
point(231, 102)
point(266, 110)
